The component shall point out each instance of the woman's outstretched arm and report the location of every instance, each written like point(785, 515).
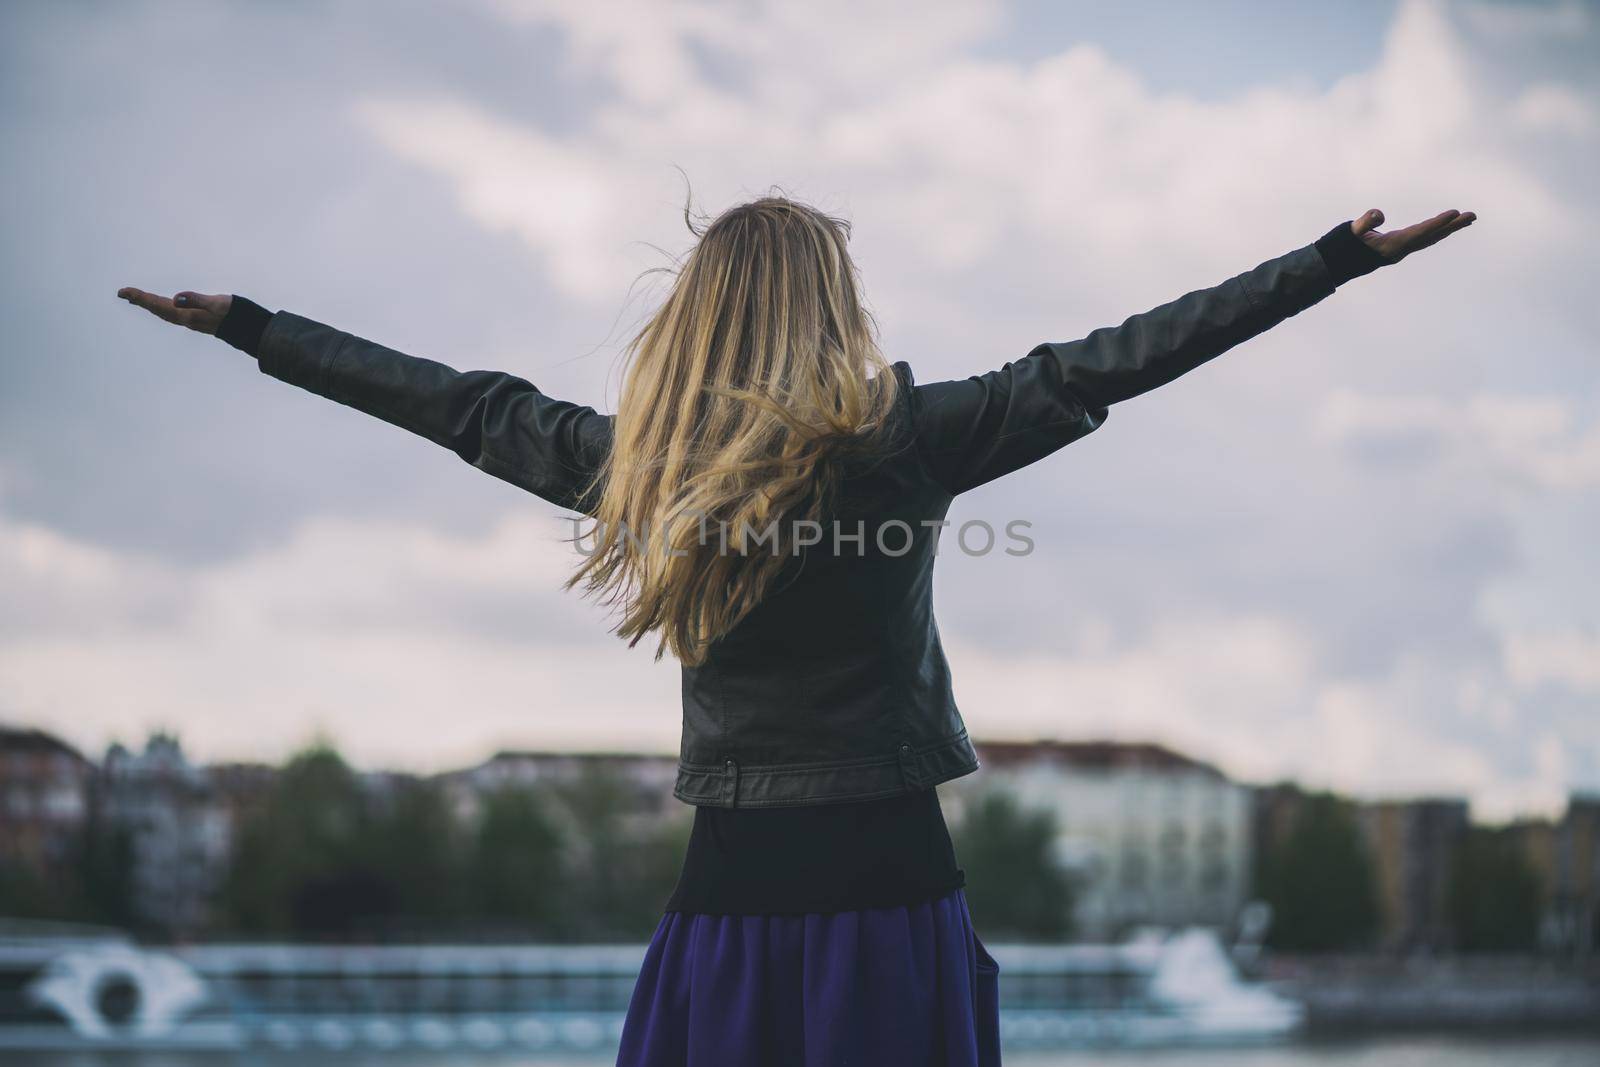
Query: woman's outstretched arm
point(976, 429)
point(495, 421)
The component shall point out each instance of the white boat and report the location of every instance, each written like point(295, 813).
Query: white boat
point(74, 989)
point(1178, 988)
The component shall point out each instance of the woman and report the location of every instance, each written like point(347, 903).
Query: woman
point(767, 504)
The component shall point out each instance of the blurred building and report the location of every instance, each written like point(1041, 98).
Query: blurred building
point(44, 802)
point(242, 789)
point(645, 780)
point(1412, 848)
point(178, 828)
point(1274, 810)
point(1413, 845)
point(1149, 835)
point(1566, 855)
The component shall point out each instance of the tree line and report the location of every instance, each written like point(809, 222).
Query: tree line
point(1321, 880)
point(323, 855)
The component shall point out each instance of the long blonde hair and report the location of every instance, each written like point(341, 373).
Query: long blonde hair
point(742, 393)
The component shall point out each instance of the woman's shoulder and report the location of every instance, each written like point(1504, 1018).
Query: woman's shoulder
point(892, 443)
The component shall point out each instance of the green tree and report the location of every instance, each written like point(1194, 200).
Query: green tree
point(303, 865)
point(421, 855)
point(517, 866)
point(1319, 880)
point(326, 856)
point(1494, 894)
point(24, 894)
point(1014, 886)
point(621, 863)
point(105, 870)
point(91, 881)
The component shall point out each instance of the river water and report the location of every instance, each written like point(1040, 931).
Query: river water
point(1390, 1051)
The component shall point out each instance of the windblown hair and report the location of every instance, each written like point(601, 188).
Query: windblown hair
point(742, 395)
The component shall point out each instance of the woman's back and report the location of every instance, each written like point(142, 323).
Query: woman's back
point(835, 687)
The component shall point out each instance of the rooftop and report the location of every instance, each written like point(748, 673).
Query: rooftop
point(1098, 755)
point(30, 739)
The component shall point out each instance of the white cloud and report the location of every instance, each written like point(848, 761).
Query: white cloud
point(1243, 693)
point(1568, 658)
point(570, 207)
point(420, 649)
point(1568, 18)
point(1532, 440)
point(954, 158)
point(349, 626)
point(1555, 108)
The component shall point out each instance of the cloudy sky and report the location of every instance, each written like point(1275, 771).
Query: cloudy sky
point(1357, 550)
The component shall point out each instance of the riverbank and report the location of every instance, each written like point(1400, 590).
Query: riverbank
point(1344, 994)
point(1413, 1050)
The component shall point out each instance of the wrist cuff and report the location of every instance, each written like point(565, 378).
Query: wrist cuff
point(1347, 255)
point(244, 324)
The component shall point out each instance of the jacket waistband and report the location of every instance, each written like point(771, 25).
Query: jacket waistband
point(908, 767)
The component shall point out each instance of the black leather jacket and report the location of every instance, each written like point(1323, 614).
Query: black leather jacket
point(835, 687)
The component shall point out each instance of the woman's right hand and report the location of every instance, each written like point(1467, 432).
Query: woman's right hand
point(198, 311)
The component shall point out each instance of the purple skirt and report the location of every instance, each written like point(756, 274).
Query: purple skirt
point(911, 986)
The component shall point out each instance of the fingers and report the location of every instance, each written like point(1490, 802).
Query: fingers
point(216, 304)
point(1432, 231)
point(197, 316)
point(160, 306)
point(1427, 227)
point(1367, 222)
point(1460, 222)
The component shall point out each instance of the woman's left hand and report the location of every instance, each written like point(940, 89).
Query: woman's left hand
point(197, 311)
point(1398, 244)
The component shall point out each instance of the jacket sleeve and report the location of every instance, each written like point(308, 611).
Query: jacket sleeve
point(976, 429)
point(497, 422)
